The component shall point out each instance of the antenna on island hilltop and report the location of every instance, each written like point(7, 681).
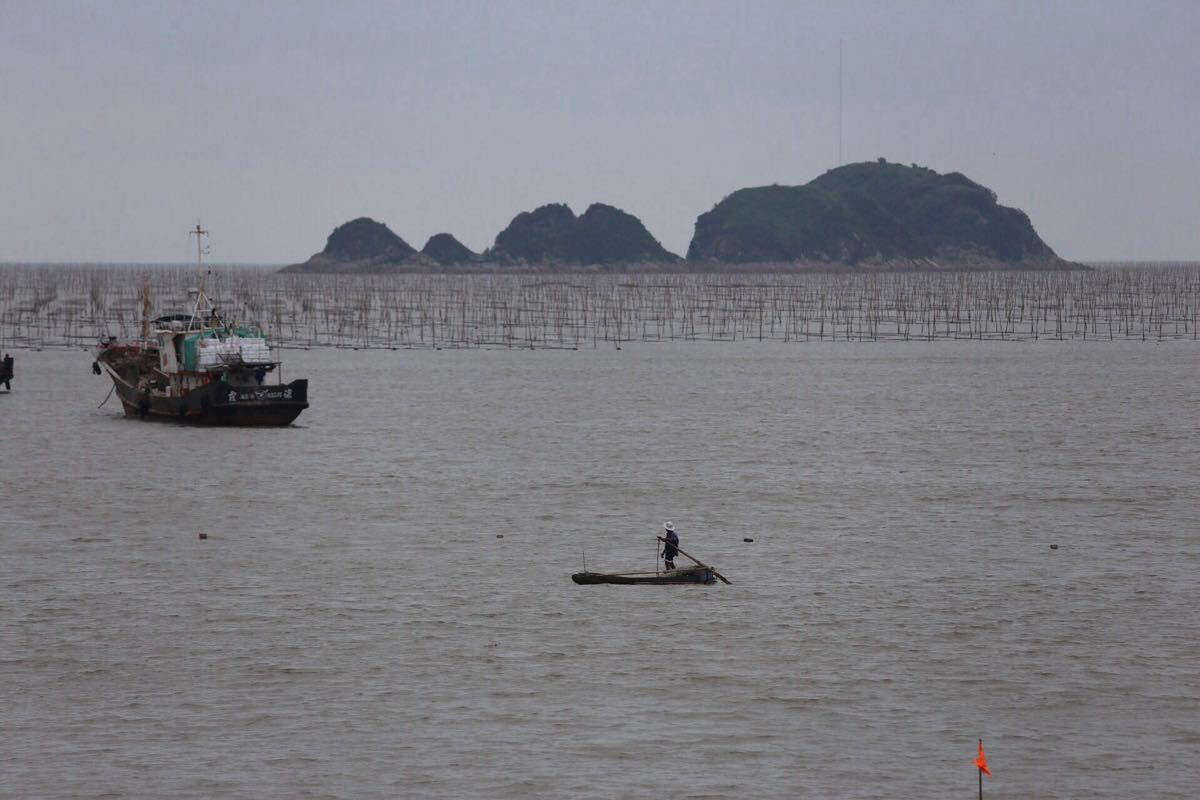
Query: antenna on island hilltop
point(839, 125)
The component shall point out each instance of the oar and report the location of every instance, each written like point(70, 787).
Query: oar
point(698, 561)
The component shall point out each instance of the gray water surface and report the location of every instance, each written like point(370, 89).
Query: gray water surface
point(353, 627)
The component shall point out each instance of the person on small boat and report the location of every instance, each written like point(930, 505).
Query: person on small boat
point(671, 547)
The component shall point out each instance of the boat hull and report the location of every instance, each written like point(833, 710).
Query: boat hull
point(701, 575)
point(219, 403)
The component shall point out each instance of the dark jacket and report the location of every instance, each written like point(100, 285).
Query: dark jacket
point(671, 548)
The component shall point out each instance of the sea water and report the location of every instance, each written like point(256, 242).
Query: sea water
point(951, 541)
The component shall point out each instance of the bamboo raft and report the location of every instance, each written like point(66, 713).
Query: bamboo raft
point(702, 575)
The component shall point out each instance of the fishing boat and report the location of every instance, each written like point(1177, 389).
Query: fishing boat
point(683, 575)
point(199, 368)
point(701, 573)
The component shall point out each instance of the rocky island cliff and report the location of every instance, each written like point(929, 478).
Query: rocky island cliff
point(360, 245)
point(548, 239)
point(870, 216)
point(552, 234)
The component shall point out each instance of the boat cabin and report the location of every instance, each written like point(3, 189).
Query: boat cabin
point(190, 358)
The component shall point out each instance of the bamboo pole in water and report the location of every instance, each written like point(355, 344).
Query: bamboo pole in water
point(71, 305)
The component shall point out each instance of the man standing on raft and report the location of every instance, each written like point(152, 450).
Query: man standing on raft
point(671, 547)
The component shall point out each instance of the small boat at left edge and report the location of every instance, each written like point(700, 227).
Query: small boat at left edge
point(198, 368)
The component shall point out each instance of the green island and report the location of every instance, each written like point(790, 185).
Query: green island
point(872, 216)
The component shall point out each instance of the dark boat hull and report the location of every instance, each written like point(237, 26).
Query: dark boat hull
point(701, 575)
point(218, 403)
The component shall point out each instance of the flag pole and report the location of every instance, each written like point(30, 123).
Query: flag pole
point(980, 771)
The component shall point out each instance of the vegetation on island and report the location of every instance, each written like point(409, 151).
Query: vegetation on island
point(360, 245)
point(446, 250)
point(601, 235)
point(871, 216)
point(365, 238)
point(872, 212)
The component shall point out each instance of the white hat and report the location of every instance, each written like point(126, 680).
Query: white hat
point(670, 526)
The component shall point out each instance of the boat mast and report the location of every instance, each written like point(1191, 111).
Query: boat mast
point(199, 233)
point(145, 308)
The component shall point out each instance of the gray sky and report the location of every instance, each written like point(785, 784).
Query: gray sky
point(121, 124)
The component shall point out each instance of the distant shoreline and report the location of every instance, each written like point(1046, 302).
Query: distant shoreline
point(684, 268)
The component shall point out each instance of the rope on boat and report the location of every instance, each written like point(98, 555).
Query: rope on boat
point(110, 391)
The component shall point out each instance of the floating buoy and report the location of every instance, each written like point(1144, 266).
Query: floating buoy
point(747, 539)
point(1053, 547)
point(204, 536)
point(499, 535)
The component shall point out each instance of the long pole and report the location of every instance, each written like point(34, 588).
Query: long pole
point(693, 558)
point(839, 131)
point(980, 770)
point(199, 233)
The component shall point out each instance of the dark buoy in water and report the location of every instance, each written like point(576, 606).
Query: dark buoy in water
point(499, 535)
point(204, 536)
point(1053, 547)
point(747, 539)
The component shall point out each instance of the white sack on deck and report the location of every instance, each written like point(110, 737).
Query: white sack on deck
point(234, 350)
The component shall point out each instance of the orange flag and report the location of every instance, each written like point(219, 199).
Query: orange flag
point(981, 762)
